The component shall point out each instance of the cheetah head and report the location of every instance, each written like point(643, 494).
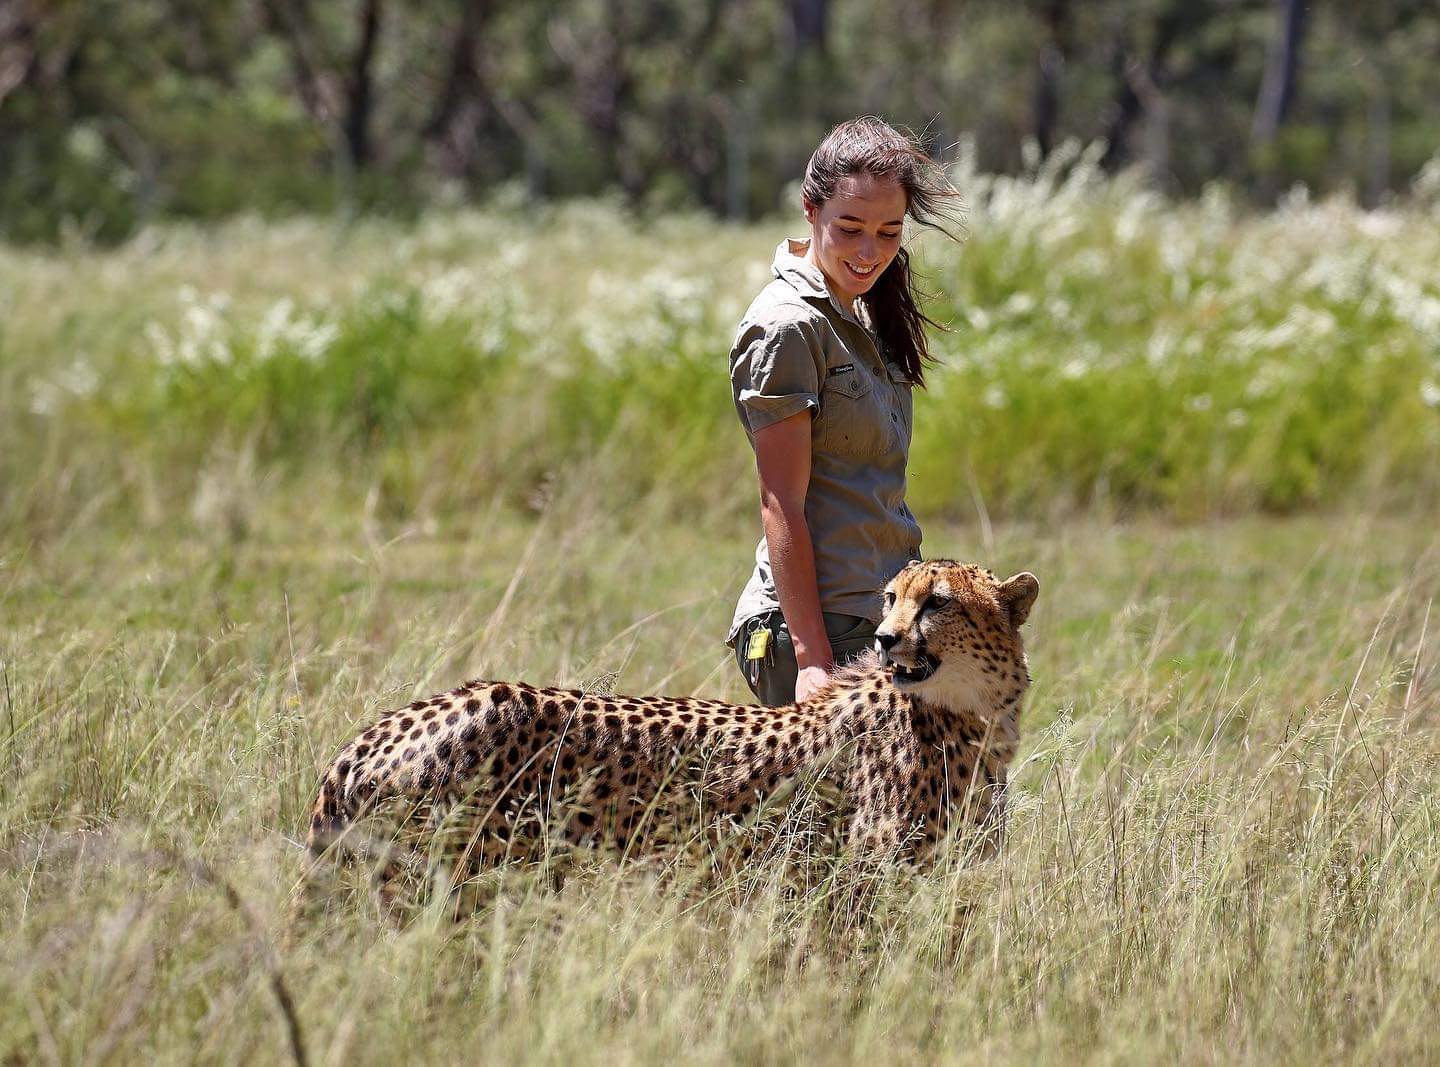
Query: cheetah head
point(952, 633)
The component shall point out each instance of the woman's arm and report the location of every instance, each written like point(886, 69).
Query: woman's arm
point(782, 458)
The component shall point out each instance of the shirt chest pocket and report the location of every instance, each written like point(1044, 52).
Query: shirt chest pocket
point(854, 419)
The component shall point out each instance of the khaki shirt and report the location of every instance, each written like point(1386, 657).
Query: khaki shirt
point(797, 349)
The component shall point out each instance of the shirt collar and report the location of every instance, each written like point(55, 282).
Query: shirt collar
point(791, 265)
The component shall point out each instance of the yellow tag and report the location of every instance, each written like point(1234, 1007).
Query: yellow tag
point(759, 644)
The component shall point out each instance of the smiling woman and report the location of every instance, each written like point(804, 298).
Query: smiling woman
point(821, 370)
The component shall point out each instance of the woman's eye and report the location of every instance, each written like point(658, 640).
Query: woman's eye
point(848, 233)
point(890, 236)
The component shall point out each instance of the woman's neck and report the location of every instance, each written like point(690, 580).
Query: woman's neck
point(846, 302)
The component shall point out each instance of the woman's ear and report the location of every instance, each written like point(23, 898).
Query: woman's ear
point(810, 211)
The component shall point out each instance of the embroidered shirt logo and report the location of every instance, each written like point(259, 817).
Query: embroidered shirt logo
point(842, 368)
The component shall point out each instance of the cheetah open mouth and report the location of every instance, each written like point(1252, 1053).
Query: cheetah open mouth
point(918, 673)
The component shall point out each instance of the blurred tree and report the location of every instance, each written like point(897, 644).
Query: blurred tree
point(334, 82)
point(115, 111)
point(458, 123)
point(808, 22)
point(1057, 44)
point(1282, 64)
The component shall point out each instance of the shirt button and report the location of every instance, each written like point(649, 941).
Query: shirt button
point(876, 370)
point(894, 417)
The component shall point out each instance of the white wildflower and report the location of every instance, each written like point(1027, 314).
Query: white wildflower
point(1020, 304)
point(45, 398)
point(76, 380)
point(308, 336)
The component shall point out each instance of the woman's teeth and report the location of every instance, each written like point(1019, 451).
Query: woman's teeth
point(858, 270)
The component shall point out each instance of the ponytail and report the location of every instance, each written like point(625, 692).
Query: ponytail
point(895, 314)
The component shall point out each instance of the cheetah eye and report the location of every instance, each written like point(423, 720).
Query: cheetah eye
point(933, 603)
point(889, 600)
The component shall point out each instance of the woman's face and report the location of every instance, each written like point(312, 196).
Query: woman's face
point(856, 233)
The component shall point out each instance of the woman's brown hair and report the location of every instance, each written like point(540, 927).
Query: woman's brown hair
point(872, 146)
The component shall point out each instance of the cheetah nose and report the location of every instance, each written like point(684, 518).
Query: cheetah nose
point(883, 644)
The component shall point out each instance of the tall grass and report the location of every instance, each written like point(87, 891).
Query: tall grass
point(1224, 844)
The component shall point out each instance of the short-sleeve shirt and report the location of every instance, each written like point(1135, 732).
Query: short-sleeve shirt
point(797, 349)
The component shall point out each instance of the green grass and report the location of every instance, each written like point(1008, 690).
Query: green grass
point(262, 482)
point(1225, 839)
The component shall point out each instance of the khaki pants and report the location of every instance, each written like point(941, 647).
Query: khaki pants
point(772, 679)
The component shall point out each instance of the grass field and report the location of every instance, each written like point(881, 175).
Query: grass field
point(263, 482)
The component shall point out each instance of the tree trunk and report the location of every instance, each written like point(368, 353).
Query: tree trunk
point(739, 128)
point(360, 89)
point(1051, 63)
point(17, 48)
point(454, 127)
point(340, 100)
point(1139, 90)
point(809, 21)
point(1377, 139)
point(1282, 64)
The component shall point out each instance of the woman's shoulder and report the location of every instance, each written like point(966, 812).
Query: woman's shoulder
point(778, 305)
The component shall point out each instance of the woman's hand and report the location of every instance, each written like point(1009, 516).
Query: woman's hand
point(809, 681)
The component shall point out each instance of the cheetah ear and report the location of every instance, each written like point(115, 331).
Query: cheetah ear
point(1018, 594)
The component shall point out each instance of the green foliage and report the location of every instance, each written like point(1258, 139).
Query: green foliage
point(1106, 349)
point(200, 110)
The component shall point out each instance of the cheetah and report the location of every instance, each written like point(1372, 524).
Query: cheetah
point(917, 736)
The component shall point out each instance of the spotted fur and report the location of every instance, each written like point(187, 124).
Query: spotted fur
point(507, 770)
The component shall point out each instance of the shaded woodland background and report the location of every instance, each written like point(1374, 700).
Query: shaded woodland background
point(117, 112)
